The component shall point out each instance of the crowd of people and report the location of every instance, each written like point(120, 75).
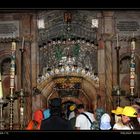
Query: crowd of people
point(53, 118)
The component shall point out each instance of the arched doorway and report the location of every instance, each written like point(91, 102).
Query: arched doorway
point(70, 87)
point(68, 60)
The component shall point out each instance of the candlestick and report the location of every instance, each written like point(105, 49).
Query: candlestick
point(12, 81)
point(132, 70)
point(21, 93)
point(1, 91)
point(133, 34)
point(22, 43)
point(117, 40)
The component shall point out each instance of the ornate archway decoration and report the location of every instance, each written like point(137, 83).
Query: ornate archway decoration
point(67, 58)
point(70, 87)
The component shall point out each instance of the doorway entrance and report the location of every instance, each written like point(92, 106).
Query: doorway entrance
point(71, 88)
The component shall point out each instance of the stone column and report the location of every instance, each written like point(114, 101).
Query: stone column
point(29, 31)
point(101, 71)
point(107, 35)
point(101, 62)
point(108, 74)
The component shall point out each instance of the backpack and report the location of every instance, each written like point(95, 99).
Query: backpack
point(94, 124)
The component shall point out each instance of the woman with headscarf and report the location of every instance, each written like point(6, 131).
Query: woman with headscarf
point(105, 123)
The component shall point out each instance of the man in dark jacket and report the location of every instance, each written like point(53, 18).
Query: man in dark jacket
point(55, 121)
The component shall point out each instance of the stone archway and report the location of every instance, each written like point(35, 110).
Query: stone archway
point(63, 54)
point(87, 93)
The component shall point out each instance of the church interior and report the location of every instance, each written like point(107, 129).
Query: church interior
point(81, 56)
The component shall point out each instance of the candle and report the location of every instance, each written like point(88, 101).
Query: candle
point(13, 46)
point(22, 43)
point(1, 91)
point(133, 34)
point(117, 40)
point(133, 45)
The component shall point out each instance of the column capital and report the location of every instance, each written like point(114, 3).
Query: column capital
point(107, 37)
point(108, 13)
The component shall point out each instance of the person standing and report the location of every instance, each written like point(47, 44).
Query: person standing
point(36, 122)
point(105, 123)
point(82, 122)
point(98, 114)
point(118, 121)
point(138, 116)
point(55, 121)
point(73, 115)
point(46, 113)
point(129, 118)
